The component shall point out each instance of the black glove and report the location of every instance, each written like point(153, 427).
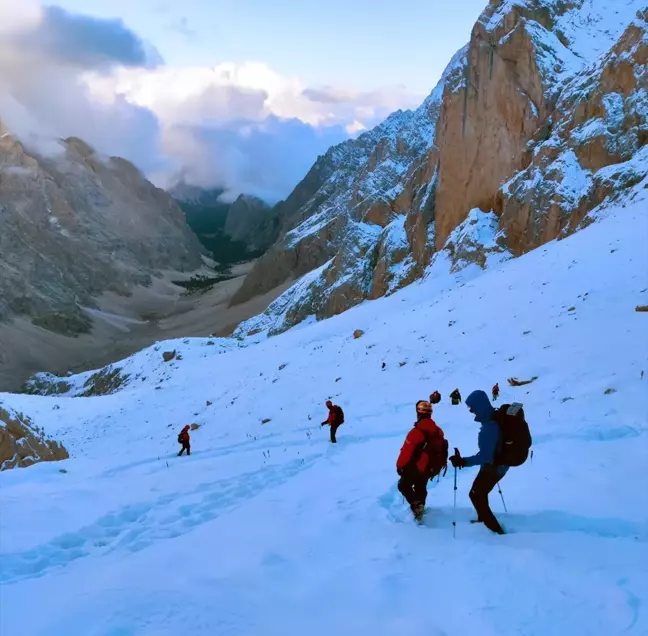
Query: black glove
point(457, 460)
point(400, 471)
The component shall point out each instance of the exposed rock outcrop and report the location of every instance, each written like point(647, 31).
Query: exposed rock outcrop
point(538, 120)
point(23, 444)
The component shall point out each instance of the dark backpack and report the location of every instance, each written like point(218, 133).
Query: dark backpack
point(180, 438)
point(515, 436)
point(339, 414)
point(437, 450)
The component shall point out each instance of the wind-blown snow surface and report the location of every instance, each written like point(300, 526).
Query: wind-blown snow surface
point(267, 529)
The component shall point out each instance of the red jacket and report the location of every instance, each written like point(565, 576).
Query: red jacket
point(424, 429)
point(333, 416)
point(184, 435)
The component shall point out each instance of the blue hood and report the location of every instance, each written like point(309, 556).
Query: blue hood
point(480, 405)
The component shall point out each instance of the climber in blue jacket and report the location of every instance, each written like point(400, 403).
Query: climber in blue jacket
point(489, 474)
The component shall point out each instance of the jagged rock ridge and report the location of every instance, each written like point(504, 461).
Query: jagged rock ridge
point(538, 120)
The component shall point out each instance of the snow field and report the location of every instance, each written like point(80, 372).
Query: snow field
point(269, 529)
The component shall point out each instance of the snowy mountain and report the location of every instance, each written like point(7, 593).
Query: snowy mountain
point(541, 117)
point(269, 529)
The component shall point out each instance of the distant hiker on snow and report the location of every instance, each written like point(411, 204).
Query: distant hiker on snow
point(435, 397)
point(183, 438)
point(423, 455)
point(495, 392)
point(455, 396)
point(504, 440)
point(335, 418)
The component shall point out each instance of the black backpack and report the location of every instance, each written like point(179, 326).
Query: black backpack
point(515, 436)
point(339, 414)
point(180, 440)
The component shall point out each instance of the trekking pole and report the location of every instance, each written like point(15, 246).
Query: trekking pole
point(454, 508)
point(502, 496)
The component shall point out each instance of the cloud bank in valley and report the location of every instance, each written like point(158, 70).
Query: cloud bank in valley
point(242, 127)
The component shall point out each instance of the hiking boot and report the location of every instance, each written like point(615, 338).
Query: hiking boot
point(418, 510)
point(495, 527)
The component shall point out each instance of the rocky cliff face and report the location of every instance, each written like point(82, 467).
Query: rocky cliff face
point(22, 444)
point(229, 231)
point(75, 224)
point(538, 120)
point(252, 221)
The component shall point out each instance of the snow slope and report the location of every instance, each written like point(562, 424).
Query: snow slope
point(267, 529)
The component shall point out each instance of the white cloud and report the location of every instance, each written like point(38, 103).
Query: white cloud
point(243, 127)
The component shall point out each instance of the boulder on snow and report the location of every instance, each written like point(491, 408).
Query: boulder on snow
point(358, 333)
point(641, 308)
point(266, 420)
point(167, 356)
point(21, 444)
point(194, 427)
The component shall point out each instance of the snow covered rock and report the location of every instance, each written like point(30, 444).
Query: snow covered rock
point(22, 444)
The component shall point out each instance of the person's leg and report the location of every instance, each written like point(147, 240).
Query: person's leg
point(181, 450)
point(406, 488)
point(484, 483)
point(334, 428)
point(420, 491)
point(188, 449)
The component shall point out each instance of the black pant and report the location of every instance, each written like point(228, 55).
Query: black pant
point(486, 480)
point(414, 488)
point(334, 428)
point(185, 447)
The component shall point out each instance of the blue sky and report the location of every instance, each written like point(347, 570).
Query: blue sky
point(364, 44)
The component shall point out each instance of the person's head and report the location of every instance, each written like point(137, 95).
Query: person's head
point(479, 405)
point(329, 404)
point(423, 409)
point(186, 428)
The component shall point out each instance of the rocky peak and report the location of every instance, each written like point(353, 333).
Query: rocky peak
point(74, 225)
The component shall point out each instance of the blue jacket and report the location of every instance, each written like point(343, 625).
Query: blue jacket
point(489, 434)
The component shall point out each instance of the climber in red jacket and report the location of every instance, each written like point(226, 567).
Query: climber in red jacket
point(183, 438)
point(423, 455)
point(335, 418)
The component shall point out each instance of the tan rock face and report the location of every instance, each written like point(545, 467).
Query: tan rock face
point(484, 126)
point(21, 444)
